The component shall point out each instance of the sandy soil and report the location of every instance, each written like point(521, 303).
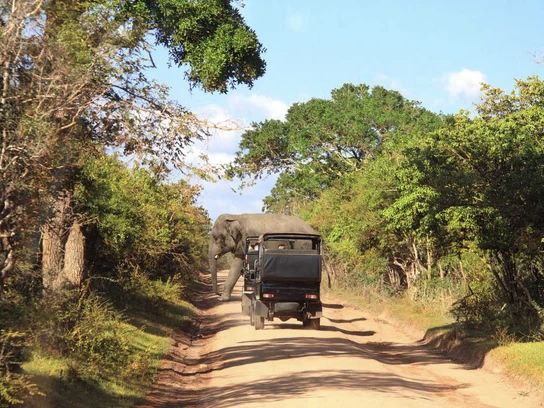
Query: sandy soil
point(354, 360)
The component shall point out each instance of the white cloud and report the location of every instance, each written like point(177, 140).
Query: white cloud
point(215, 113)
point(258, 105)
point(220, 158)
point(229, 121)
point(195, 152)
point(465, 83)
point(295, 22)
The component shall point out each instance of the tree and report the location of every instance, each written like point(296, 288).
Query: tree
point(323, 139)
point(73, 77)
point(209, 36)
point(482, 180)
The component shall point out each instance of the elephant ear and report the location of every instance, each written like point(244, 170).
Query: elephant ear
point(234, 229)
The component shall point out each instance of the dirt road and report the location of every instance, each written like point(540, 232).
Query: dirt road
point(354, 360)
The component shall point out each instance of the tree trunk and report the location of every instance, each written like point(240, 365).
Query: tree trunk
point(53, 239)
point(416, 265)
point(429, 259)
point(51, 256)
point(462, 271)
point(74, 258)
point(8, 261)
point(522, 309)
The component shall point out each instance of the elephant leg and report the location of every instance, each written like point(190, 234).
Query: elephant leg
point(234, 274)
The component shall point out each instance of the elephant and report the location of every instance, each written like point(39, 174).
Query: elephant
point(229, 234)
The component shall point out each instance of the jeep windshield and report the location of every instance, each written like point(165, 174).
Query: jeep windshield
point(291, 243)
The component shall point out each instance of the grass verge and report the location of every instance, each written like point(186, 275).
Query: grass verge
point(522, 361)
point(149, 319)
point(402, 309)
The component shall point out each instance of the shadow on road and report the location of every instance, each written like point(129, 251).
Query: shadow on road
point(292, 326)
point(332, 306)
point(340, 321)
point(251, 352)
point(300, 383)
point(364, 333)
point(169, 391)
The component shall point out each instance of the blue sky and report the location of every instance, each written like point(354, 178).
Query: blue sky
point(436, 52)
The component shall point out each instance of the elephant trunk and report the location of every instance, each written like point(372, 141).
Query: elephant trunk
point(213, 254)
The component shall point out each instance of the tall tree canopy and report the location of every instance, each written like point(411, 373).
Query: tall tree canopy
point(210, 36)
point(323, 139)
point(466, 195)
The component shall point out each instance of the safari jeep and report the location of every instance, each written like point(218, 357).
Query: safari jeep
point(285, 281)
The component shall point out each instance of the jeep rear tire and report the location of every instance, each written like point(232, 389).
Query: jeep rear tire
point(314, 324)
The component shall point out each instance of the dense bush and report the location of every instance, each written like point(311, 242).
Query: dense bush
point(15, 386)
point(98, 341)
point(141, 221)
point(85, 329)
point(154, 291)
point(146, 239)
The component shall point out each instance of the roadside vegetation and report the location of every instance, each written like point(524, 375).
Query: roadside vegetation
point(522, 361)
point(98, 246)
point(438, 218)
point(99, 343)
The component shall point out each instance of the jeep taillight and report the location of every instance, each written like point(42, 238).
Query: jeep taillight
point(268, 295)
point(310, 296)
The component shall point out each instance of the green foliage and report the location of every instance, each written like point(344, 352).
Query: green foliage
point(98, 344)
point(323, 139)
point(210, 36)
point(87, 88)
point(156, 292)
point(481, 307)
point(112, 334)
point(103, 350)
point(85, 329)
point(90, 333)
point(138, 226)
point(522, 360)
point(141, 220)
point(74, 84)
point(14, 386)
point(15, 389)
point(484, 183)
